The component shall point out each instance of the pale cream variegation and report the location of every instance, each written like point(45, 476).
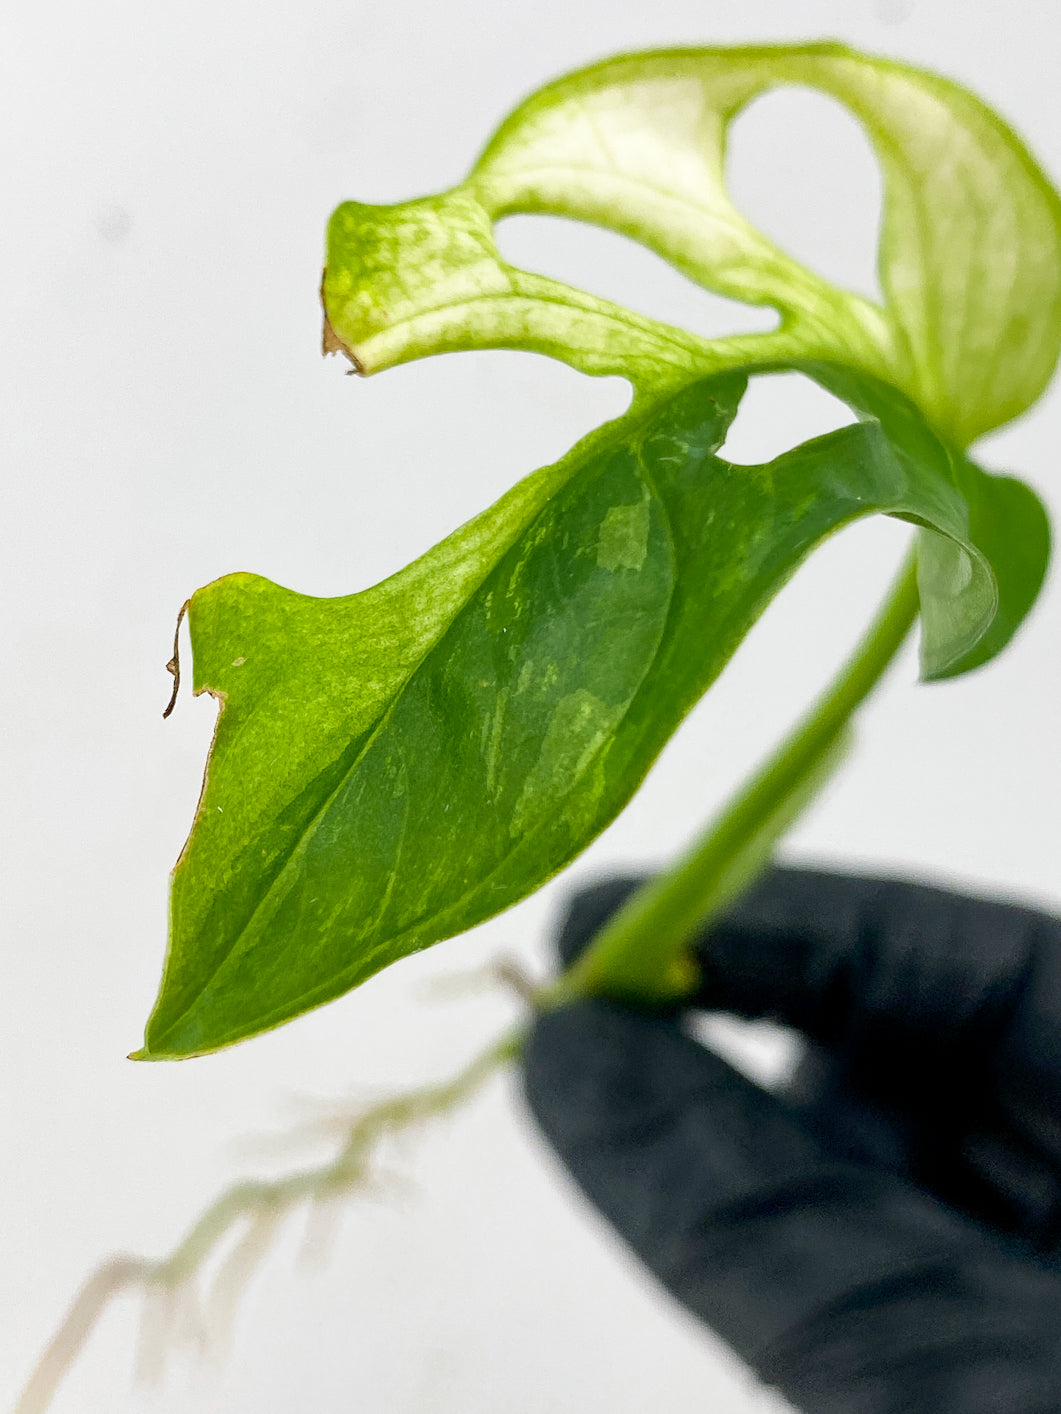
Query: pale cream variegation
point(970, 252)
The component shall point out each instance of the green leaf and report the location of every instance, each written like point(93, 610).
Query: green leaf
point(970, 255)
point(394, 767)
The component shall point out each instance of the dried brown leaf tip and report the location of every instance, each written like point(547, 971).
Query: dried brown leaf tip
point(330, 340)
point(174, 664)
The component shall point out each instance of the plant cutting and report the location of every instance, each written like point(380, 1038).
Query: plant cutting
point(393, 767)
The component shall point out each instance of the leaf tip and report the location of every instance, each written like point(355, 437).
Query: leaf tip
point(146, 1053)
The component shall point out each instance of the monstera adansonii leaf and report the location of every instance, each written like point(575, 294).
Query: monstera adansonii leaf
point(393, 767)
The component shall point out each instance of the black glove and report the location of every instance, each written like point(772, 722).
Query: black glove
point(886, 1235)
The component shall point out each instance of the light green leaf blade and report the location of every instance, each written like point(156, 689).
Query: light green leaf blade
point(394, 767)
point(970, 256)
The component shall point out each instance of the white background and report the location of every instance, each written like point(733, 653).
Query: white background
point(167, 174)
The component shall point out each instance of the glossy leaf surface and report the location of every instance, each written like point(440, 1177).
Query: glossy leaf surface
point(394, 767)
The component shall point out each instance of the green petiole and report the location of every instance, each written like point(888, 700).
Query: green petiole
point(640, 953)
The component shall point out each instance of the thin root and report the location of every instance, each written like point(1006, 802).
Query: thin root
point(170, 1282)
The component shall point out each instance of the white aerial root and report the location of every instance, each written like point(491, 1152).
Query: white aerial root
point(173, 1305)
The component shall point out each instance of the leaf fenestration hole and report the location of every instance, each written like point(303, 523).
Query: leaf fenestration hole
point(612, 266)
point(800, 167)
point(779, 411)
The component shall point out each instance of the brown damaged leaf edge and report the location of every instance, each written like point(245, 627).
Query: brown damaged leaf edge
point(174, 664)
point(330, 340)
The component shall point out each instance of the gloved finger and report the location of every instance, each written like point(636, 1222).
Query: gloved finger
point(859, 1129)
point(847, 1288)
point(897, 962)
point(902, 964)
point(998, 1168)
point(934, 1004)
point(940, 1011)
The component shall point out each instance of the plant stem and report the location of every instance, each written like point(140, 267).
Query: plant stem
point(641, 952)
